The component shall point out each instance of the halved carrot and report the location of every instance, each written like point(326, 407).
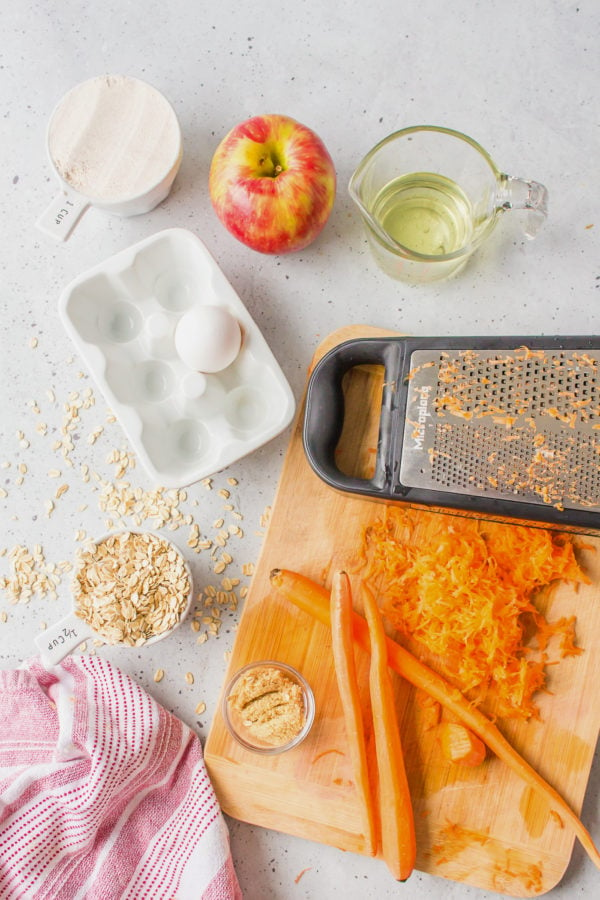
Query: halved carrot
point(345, 671)
point(397, 826)
point(313, 598)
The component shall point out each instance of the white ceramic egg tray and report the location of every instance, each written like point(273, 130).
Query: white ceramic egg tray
point(183, 425)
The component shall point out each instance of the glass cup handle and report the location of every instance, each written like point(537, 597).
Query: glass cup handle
point(518, 193)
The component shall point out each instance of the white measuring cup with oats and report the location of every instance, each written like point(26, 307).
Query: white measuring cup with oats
point(131, 588)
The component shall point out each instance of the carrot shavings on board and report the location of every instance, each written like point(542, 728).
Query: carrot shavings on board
point(300, 874)
point(466, 597)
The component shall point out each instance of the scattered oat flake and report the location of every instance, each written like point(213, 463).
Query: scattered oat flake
point(33, 343)
point(30, 575)
point(159, 675)
point(189, 677)
point(201, 707)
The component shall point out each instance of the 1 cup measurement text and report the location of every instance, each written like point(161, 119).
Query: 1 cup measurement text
point(63, 213)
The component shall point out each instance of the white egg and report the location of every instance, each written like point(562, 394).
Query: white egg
point(208, 338)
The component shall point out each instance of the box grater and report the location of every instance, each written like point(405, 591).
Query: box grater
point(505, 426)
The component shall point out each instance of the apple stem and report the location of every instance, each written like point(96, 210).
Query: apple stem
point(271, 168)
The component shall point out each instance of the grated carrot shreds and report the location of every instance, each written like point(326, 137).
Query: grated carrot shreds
point(467, 597)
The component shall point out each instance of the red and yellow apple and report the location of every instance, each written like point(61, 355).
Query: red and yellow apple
point(272, 183)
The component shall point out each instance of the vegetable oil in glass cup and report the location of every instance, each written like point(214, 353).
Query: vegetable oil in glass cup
point(427, 213)
point(430, 196)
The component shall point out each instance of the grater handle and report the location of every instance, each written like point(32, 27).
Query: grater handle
point(324, 412)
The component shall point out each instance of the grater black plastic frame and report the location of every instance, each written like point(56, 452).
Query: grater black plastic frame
point(324, 417)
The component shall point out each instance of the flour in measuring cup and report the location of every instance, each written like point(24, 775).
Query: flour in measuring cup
point(114, 138)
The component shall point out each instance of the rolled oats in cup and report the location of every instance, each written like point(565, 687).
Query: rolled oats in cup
point(130, 588)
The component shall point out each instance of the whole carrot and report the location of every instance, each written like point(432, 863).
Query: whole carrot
point(314, 599)
point(345, 669)
point(397, 824)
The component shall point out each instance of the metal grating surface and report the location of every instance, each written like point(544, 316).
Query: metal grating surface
point(523, 425)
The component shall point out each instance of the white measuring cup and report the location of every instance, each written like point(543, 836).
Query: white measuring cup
point(114, 142)
point(69, 632)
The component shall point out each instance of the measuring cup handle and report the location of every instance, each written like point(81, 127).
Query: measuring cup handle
point(60, 217)
point(324, 413)
point(61, 639)
point(518, 193)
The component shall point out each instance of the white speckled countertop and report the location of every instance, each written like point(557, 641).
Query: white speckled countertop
point(521, 78)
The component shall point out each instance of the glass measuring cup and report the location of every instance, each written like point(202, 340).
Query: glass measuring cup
point(429, 197)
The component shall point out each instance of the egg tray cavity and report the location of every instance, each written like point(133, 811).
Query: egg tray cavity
point(183, 425)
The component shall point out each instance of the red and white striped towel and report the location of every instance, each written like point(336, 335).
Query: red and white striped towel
point(103, 793)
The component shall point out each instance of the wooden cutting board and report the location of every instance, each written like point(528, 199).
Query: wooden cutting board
point(481, 826)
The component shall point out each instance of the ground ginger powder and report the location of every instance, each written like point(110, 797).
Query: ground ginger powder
point(269, 705)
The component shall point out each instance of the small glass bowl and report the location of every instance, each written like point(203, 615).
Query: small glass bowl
point(242, 734)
